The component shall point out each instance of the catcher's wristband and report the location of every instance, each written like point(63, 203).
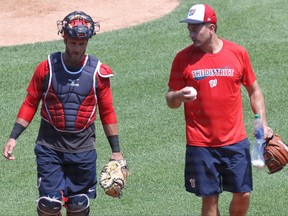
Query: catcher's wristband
point(17, 130)
point(114, 143)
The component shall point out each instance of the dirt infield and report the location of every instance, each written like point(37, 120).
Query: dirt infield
point(30, 21)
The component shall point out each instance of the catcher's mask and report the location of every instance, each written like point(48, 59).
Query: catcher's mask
point(78, 25)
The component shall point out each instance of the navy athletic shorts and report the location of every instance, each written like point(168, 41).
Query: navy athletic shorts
point(209, 171)
point(70, 173)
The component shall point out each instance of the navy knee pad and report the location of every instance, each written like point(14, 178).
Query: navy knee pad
point(50, 204)
point(78, 205)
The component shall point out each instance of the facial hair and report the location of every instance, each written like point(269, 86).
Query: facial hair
point(73, 58)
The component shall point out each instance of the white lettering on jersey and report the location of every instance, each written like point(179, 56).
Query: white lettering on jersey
point(211, 72)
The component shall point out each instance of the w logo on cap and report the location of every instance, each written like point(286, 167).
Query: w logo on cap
point(191, 12)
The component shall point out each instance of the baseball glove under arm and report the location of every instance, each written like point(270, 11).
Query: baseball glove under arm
point(275, 154)
point(113, 177)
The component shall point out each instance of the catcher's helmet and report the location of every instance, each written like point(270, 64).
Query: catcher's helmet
point(78, 25)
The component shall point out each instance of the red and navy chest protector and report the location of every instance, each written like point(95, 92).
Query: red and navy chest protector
point(70, 100)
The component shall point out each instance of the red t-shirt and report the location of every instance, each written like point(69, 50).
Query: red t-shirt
point(215, 118)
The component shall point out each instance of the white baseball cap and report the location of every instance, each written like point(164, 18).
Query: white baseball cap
point(201, 13)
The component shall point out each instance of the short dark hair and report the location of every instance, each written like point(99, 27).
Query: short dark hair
point(213, 24)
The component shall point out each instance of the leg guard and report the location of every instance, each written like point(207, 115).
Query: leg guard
point(78, 205)
point(47, 206)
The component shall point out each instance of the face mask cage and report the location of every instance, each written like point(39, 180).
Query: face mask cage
point(78, 25)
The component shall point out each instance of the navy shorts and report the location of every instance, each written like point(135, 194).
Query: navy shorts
point(68, 173)
point(209, 171)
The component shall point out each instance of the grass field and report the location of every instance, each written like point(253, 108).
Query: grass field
point(152, 135)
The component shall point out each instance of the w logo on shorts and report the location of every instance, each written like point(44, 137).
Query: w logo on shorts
point(192, 182)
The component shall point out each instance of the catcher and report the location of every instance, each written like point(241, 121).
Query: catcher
point(275, 154)
point(73, 87)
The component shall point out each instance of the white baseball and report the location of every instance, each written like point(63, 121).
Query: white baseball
point(193, 92)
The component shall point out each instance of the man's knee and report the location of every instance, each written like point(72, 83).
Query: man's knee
point(78, 205)
point(242, 196)
point(50, 205)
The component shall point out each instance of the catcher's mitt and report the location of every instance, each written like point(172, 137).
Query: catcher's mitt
point(275, 154)
point(113, 177)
